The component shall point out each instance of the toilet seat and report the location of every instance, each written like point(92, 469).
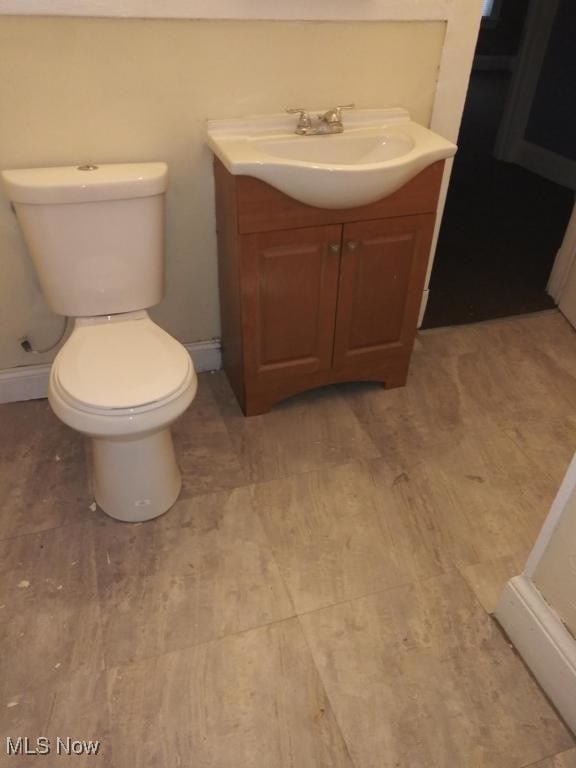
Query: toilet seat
point(120, 364)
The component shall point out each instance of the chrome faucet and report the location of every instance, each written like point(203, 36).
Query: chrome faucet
point(318, 125)
point(304, 124)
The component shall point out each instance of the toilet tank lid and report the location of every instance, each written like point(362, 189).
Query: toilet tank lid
point(89, 183)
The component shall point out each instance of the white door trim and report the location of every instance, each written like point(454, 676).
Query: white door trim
point(532, 625)
point(565, 491)
point(537, 29)
point(543, 641)
point(565, 258)
point(512, 144)
point(278, 10)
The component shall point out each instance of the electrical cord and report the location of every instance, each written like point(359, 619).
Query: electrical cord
point(27, 346)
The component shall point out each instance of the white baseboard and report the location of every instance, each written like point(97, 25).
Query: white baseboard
point(30, 382)
point(207, 355)
point(544, 643)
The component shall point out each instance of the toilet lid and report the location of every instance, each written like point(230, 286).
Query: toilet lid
point(121, 364)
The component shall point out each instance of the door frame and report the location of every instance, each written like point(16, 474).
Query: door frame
point(535, 36)
point(564, 261)
point(534, 626)
point(511, 142)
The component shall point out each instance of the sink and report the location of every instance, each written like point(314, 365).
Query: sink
point(341, 149)
point(379, 151)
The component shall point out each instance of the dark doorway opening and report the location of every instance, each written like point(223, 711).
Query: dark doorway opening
point(503, 224)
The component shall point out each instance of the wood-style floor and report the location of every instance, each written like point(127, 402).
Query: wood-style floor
point(320, 595)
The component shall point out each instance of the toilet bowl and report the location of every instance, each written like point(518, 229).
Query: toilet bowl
point(95, 234)
point(122, 381)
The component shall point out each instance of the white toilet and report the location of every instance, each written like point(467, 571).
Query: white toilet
point(96, 237)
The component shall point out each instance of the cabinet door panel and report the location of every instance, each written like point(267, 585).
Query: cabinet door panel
point(290, 285)
point(382, 275)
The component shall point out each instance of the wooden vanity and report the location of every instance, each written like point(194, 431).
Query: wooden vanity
point(313, 296)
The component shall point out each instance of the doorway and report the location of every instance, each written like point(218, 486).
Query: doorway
point(503, 224)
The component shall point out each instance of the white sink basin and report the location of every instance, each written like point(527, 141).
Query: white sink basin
point(379, 151)
point(349, 148)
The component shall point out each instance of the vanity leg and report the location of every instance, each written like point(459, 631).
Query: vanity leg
point(397, 377)
point(256, 405)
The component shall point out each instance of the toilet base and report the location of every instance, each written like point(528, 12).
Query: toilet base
point(135, 479)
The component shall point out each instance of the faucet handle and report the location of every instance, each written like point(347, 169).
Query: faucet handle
point(339, 109)
point(304, 119)
point(333, 118)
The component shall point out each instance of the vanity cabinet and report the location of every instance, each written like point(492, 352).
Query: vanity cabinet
point(310, 296)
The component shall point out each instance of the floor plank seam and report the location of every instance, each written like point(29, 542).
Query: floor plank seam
point(548, 757)
point(216, 639)
point(353, 762)
point(373, 593)
point(45, 531)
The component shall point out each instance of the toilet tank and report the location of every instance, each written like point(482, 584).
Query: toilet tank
point(95, 234)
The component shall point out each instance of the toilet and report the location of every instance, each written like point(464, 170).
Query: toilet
point(96, 236)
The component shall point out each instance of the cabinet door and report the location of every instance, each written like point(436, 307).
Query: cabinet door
point(289, 289)
point(382, 277)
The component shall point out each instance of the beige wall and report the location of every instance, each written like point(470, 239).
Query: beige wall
point(555, 573)
point(77, 90)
